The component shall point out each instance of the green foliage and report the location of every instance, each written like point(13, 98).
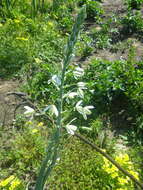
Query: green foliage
point(134, 4)
point(26, 150)
point(117, 91)
point(76, 171)
point(85, 45)
point(24, 39)
point(101, 35)
point(109, 77)
point(64, 16)
point(14, 47)
point(94, 9)
point(132, 23)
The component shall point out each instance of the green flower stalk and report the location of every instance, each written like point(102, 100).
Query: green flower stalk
point(53, 145)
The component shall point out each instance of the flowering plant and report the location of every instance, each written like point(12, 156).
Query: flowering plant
point(117, 178)
point(57, 110)
point(11, 183)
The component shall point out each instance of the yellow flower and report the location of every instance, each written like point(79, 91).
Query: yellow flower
point(114, 175)
point(14, 184)
point(123, 181)
point(40, 124)
point(29, 123)
point(122, 158)
point(22, 38)
point(6, 181)
point(111, 170)
point(16, 21)
point(126, 157)
point(51, 24)
point(135, 174)
point(34, 130)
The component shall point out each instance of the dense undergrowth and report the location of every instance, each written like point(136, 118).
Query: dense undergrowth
point(32, 38)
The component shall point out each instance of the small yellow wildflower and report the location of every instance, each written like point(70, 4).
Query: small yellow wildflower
point(34, 130)
point(14, 184)
point(122, 158)
point(51, 24)
point(16, 21)
point(123, 181)
point(114, 175)
point(29, 123)
point(40, 124)
point(22, 38)
point(135, 174)
point(6, 181)
point(111, 170)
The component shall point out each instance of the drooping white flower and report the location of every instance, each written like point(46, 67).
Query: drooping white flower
point(71, 129)
point(80, 92)
point(84, 111)
point(52, 110)
point(29, 110)
point(78, 107)
point(81, 85)
point(87, 109)
point(56, 80)
point(71, 95)
point(79, 72)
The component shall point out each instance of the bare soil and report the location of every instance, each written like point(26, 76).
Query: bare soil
point(7, 103)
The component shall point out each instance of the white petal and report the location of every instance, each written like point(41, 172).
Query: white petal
point(81, 85)
point(80, 93)
point(80, 109)
point(87, 111)
point(84, 116)
point(86, 128)
point(29, 110)
point(71, 95)
point(78, 72)
point(56, 80)
point(54, 110)
point(79, 69)
point(78, 103)
point(71, 129)
point(90, 107)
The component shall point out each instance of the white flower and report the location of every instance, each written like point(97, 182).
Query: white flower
point(56, 80)
point(92, 91)
point(81, 85)
point(29, 110)
point(71, 129)
point(80, 93)
point(79, 72)
point(84, 111)
point(53, 110)
point(71, 95)
point(87, 109)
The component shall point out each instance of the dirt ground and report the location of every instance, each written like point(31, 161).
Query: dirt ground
point(7, 103)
